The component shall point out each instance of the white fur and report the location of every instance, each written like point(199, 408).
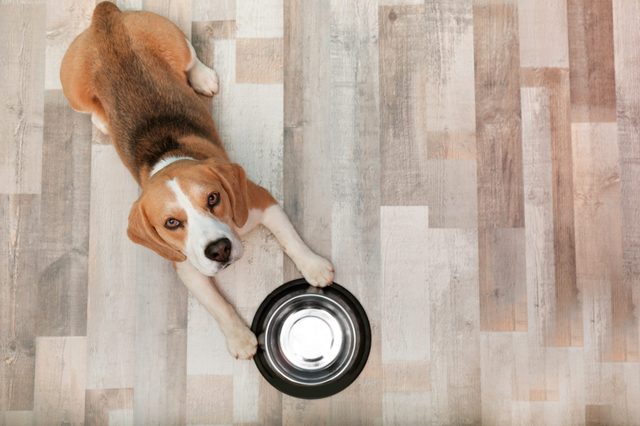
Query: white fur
point(202, 78)
point(165, 162)
point(315, 269)
point(100, 125)
point(203, 229)
point(241, 342)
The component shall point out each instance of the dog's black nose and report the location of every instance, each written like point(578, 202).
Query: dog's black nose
point(219, 250)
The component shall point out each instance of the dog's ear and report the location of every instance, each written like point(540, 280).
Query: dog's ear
point(234, 182)
point(140, 231)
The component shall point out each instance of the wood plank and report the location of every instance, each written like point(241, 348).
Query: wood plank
point(160, 341)
point(64, 218)
point(568, 318)
point(61, 368)
point(259, 60)
point(16, 418)
point(497, 373)
point(259, 18)
point(452, 276)
point(503, 291)
point(354, 140)
point(607, 297)
point(209, 400)
point(111, 319)
point(22, 47)
point(626, 16)
point(19, 226)
point(498, 137)
point(403, 80)
point(405, 288)
point(543, 34)
point(100, 402)
point(450, 97)
point(593, 95)
point(404, 408)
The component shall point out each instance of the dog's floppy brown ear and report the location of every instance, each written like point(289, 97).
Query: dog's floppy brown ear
point(140, 231)
point(234, 182)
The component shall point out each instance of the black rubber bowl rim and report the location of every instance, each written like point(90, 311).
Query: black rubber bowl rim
point(326, 389)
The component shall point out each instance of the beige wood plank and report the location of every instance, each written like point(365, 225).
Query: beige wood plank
point(405, 408)
point(100, 402)
point(22, 47)
point(503, 290)
point(160, 341)
point(543, 33)
point(209, 400)
point(111, 319)
point(259, 60)
point(65, 20)
point(19, 250)
point(452, 276)
point(61, 367)
point(64, 218)
point(593, 96)
point(121, 418)
point(498, 138)
point(610, 323)
point(497, 370)
point(405, 286)
point(450, 103)
point(16, 418)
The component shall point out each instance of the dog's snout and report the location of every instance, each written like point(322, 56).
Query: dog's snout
point(219, 250)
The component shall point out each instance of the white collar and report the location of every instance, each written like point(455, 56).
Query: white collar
point(165, 162)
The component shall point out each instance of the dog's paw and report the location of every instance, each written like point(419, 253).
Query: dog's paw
point(203, 79)
point(242, 343)
point(317, 270)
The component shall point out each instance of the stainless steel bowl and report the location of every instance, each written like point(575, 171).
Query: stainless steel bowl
point(313, 342)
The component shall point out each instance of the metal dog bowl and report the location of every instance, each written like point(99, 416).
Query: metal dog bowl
point(312, 342)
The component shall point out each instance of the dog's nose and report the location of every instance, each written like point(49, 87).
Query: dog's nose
point(219, 250)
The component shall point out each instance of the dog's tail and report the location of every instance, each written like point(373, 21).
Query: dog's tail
point(109, 31)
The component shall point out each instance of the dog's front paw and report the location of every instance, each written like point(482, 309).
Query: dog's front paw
point(242, 343)
point(203, 79)
point(317, 270)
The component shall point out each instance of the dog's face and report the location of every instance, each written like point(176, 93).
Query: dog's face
point(188, 211)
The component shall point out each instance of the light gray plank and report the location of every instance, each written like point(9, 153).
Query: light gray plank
point(160, 341)
point(111, 319)
point(451, 266)
point(62, 289)
point(259, 18)
point(19, 251)
point(543, 37)
point(22, 47)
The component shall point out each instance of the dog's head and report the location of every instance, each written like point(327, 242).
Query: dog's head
point(189, 210)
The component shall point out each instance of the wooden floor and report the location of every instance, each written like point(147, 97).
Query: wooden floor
point(471, 167)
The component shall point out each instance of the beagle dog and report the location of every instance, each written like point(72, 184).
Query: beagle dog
point(137, 76)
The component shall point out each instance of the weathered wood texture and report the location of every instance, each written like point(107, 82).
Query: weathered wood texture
point(471, 167)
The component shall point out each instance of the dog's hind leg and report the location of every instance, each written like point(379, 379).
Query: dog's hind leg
point(202, 78)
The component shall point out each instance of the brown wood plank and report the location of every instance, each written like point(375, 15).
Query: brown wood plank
point(503, 291)
point(498, 138)
point(593, 93)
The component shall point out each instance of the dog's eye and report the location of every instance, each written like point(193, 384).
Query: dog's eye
point(172, 223)
point(213, 200)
